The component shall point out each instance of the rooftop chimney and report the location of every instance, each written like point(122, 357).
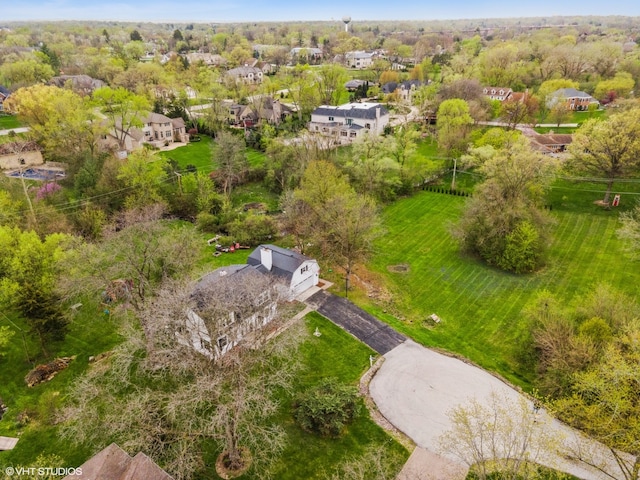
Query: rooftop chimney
point(266, 257)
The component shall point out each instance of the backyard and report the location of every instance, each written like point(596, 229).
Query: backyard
point(32, 411)
point(9, 121)
point(422, 272)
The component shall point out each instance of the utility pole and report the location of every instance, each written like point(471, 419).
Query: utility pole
point(453, 179)
point(26, 194)
point(179, 175)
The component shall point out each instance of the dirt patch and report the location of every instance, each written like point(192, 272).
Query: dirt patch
point(224, 470)
point(400, 268)
point(257, 206)
point(368, 282)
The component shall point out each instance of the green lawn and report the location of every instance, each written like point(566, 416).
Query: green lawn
point(480, 306)
point(255, 192)
point(200, 155)
point(559, 130)
point(579, 117)
point(195, 153)
point(91, 332)
point(579, 196)
point(334, 354)
point(256, 158)
point(8, 122)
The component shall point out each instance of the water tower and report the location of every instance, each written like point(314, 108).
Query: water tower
point(347, 20)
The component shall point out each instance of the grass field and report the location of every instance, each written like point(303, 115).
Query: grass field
point(480, 306)
point(333, 354)
point(8, 122)
point(196, 153)
point(90, 332)
point(200, 155)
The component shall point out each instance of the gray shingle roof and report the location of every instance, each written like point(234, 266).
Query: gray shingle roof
point(285, 261)
point(570, 93)
point(352, 110)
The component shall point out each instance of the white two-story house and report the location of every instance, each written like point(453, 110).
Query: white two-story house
point(237, 302)
point(349, 121)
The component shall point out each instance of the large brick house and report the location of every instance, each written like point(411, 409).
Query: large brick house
point(574, 99)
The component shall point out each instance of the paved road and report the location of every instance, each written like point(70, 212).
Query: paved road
point(362, 325)
point(416, 388)
point(15, 130)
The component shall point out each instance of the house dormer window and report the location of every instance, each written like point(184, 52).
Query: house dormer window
point(222, 342)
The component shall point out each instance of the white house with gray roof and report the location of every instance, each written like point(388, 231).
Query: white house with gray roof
point(349, 121)
point(297, 272)
point(232, 303)
point(358, 59)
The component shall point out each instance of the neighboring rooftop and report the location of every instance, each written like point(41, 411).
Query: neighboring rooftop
point(570, 93)
point(353, 110)
point(113, 463)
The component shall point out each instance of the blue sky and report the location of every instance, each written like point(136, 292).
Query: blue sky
point(211, 11)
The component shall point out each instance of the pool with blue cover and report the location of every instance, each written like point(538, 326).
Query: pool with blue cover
point(37, 173)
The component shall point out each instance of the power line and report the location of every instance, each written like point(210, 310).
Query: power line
point(75, 204)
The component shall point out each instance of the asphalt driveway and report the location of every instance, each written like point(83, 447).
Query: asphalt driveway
point(362, 325)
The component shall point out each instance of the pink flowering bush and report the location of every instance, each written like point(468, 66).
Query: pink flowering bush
point(47, 190)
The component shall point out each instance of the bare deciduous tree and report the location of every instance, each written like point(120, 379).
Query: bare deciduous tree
point(503, 435)
point(159, 395)
point(141, 249)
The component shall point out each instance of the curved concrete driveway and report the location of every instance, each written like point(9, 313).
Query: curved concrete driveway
point(415, 389)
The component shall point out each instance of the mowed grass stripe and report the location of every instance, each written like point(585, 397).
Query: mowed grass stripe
point(481, 307)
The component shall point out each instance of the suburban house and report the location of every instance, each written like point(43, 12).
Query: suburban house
point(209, 59)
point(237, 301)
point(403, 91)
point(497, 93)
point(4, 94)
point(310, 54)
point(358, 59)
point(80, 84)
point(264, 109)
point(349, 121)
point(229, 304)
point(159, 130)
point(246, 74)
point(265, 67)
point(550, 143)
point(113, 463)
point(297, 272)
point(355, 84)
point(19, 154)
point(574, 99)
